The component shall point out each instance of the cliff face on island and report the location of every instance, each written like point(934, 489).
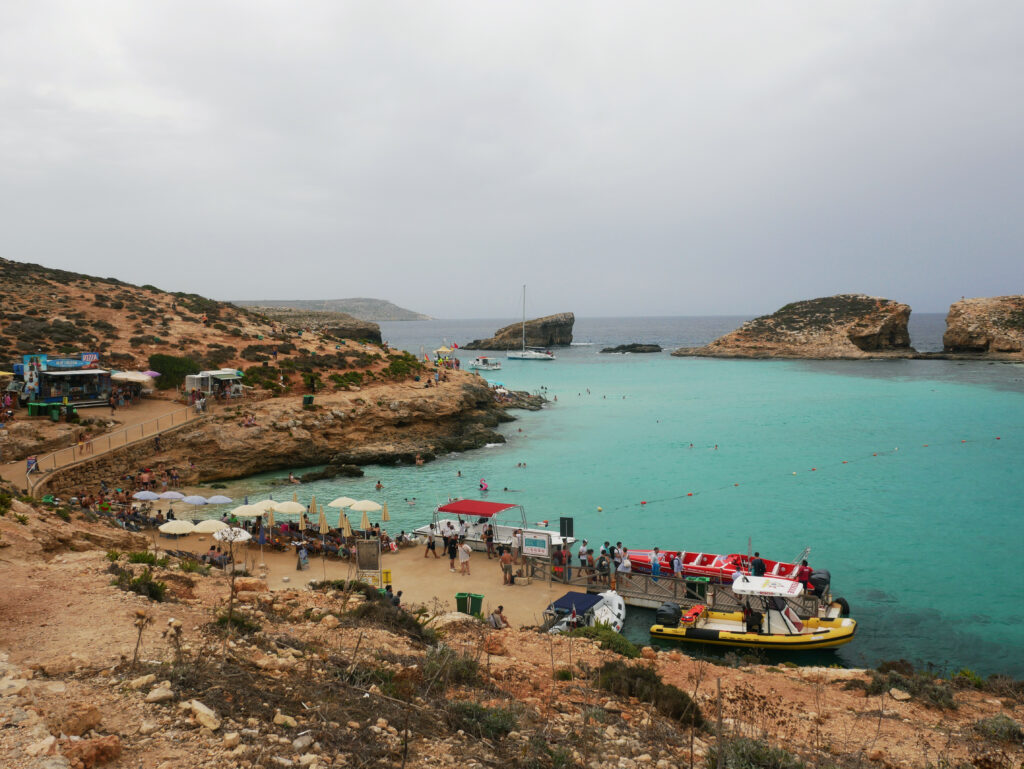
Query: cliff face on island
point(985, 325)
point(549, 331)
point(841, 326)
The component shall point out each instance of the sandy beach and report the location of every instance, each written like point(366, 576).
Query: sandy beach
point(425, 581)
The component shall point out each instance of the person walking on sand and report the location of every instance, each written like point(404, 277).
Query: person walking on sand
point(464, 551)
point(506, 567)
point(453, 552)
point(431, 544)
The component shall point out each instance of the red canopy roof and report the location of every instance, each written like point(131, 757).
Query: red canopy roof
point(475, 507)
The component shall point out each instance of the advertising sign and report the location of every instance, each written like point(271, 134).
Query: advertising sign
point(47, 363)
point(536, 544)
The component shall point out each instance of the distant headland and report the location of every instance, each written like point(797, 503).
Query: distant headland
point(361, 308)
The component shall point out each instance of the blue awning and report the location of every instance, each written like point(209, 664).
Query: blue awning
point(583, 602)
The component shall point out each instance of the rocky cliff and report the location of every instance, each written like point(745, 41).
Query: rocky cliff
point(382, 424)
point(841, 326)
point(985, 325)
point(337, 324)
point(549, 331)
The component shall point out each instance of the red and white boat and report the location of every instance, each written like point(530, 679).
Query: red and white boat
point(719, 568)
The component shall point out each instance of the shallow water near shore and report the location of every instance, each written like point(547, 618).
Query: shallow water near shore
point(902, 476)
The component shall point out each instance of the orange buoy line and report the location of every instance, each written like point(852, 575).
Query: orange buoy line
point(688, 494)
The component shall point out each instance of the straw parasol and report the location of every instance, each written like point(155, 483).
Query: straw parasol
point(177, 527)
point(346, 527)
point(209, 526)
point(322, 522)
point(341, 502)
point(323, 539)
point(365, 523)
point(384, 512)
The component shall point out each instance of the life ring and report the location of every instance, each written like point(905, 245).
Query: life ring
point(844, 606)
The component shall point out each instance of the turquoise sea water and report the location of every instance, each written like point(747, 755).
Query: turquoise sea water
point(904, 477)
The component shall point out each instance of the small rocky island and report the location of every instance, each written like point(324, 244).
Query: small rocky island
point(841, 326)
point(549, 331)
point(986, 325)
point(634, 347)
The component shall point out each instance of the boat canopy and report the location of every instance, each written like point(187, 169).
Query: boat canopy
point(582, 602)
point(785, 588)
point(475, 507)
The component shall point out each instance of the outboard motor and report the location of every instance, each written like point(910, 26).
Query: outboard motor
point(668, 614)
point(821, 579)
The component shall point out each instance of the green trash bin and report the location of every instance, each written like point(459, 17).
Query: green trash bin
point(55, 413)
point(462, 602)
point(476, 603)
point(307, 400)
point(698, 586)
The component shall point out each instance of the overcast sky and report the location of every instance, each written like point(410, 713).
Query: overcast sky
point(624, 158)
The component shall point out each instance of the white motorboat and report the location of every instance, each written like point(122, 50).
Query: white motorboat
point(529, 353)
point(474, 516)
point(485, 363)
point(575, 610)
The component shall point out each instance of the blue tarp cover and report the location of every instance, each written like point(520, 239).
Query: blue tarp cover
point(582, 601)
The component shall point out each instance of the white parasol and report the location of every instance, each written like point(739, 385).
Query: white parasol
point(209, 526)
point(232, 534)
point(341, 502)
point(177, 527)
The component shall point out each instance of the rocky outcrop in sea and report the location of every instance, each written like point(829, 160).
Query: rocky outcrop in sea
point(634, 347)
point(841, 326)
point(549, 331)
point(985, 325)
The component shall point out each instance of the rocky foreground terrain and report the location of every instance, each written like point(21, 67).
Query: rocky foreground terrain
point(93, 672)
point(842, 326)
point(549, 331)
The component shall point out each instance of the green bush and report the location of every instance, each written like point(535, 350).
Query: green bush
point(173, 370)
point(921, 685)
point(966, 678)
point(22, 519)
point(239, 621)
point(113, 555)
point(479, 721)
point(144, 556)
point(609, 639)
point(144, 584)
point(999, 728)
point(194, 567)
point(563, 674)
point(745, 753)
point(447, 666)
point(64, 514)
point(644, 683)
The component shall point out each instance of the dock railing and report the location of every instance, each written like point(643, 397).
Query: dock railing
point(39, 469)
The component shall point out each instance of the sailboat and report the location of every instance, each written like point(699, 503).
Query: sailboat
point(529, 353)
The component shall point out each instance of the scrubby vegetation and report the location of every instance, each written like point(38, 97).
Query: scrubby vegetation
point(644, 683)
point(609, 640)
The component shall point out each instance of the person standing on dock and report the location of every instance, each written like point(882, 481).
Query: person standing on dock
point(583, 553)
point(625, 566)
point(677, 565)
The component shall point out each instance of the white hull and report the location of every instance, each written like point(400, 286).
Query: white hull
point(485, 364)
point(611, 611)
point(530, 355)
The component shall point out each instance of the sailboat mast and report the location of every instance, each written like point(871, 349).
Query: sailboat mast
point(524, 317)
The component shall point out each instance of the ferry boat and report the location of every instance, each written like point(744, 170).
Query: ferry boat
point(575, 610)
point(766, 622)
point(485, 363)
point(475, 515)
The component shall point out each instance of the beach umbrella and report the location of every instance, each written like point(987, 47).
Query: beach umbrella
point(172, 495)
point(365, 523)
point(365, 506)
point(247, 511)
point(322, 525)
point(145, 496)
point(177, 527)
point(290, 508)
point(195, 499)
point(265, 505)
point(346, 527)
point(219, 499)
point(384, 513)
point(232, 534)
point(209, 526)
point(151, 373)
point(341, 502)
point(302, 523)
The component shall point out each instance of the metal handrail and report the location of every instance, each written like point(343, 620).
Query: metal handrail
point(105, 444)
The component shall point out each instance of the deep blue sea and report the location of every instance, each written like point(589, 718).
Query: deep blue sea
point(903, 477)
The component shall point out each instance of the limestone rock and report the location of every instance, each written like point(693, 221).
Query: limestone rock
point(205, 715)
point(42, 747)
point(549, 331)
point(11, 687)
point(138, 683)
point(648, 653)
point(841, 326)
point(231, 740)
point(160, 694)
point(899, 695)
point(634, 347)
point(329, 621)
point(302, 743)
point(148, 727)
point(493, 644)
point(282, 720)
point(985, 325)
point(250, 585)
point(75, 719)
point(89, 753)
